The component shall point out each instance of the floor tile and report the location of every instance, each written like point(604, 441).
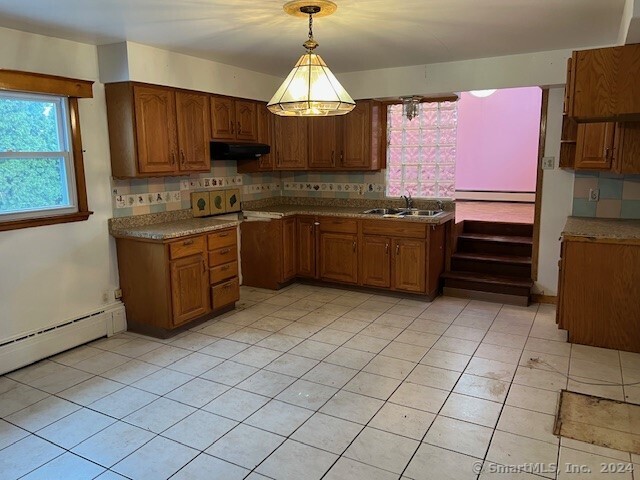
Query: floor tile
point(595, 371)
point(294, 460)
point(382, 449)
point(10, 434)
point(347, 469)
point(404, 351)
point(245, 446)
point(419, 396)
point(224, 348)
point(367, 343)
point(135, 347)
point(465, 333)
point(500, 353)
point(130, 372)
point(113, 444)
point(352, 407)
point(158, 459)
point(390, 367)
point(527, 424)
point(300, 330)
point(434, 377)
point(67, 466)
point(279, 342)
point(401, 420)
point(197, 392)
point(327, 433)
point(162, 381)
point(372, 385)
point(595, 449)
point(266, 383)
point(18, 398)
point(483, 367)
point(604, 356)
point(249, 335)
point(257, 357)
point(195, 364)
point(595, 465)
point(431, 462)
point(447, 360)
point(531, 398)
point(90, 390)
point(545, 361)
point(159, 415)
point(164, 355)
point(462, 437)
point(279, 417)
point(349, 357)
point(26, 455)
point(123, 402)
point(481, 387)
point(65, 378)
point(349, 325)
point(75, 428)
point(330, 375)
point(210, 468)
point(42, 413)
point(509, 449)
point(417, 338)
point(199, 430)
point(75, 355)
point(102, 362)
point(292, 365)
point(381, 331)
point(428, 326)
point(505, 339)
point(456, 345)
point(312, 349)
point(533, 377)
point(236, 404)
point(548, 346)
point(193, 341)
point(307, 394)
point(472, 409)
point(229, 373)
point(585, 385)
point(332, 336)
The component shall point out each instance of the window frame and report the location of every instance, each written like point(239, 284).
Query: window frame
point(72, 89)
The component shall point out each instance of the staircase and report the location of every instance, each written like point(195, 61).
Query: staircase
point(492, 262)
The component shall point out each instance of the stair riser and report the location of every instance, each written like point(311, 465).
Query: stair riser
point(486, 287)
point(492, 268)
point(499, 248)
point(493, 228)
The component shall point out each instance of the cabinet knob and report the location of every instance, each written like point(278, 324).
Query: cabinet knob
point(225, 251)
point(188, 242)
point(204, 266)
point(398, 249)
point(173, 158)
point(386, 248)
point(333, 160)
point(316, 223)
point(225, 268)
point(354, 246)
point(239, 127)
point(182, 157)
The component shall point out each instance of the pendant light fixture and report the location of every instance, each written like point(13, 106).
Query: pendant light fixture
point(311, 90)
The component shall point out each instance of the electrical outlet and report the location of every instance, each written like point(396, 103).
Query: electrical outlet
point(594, 194)
point(105, 296)
point(118, 293)
point(548, 163)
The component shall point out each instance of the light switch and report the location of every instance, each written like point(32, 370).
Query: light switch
point(548, 163)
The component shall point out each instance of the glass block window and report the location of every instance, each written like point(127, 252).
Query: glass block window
point(421, 153)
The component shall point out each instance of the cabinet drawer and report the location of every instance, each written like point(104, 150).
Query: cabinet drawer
point(223, 272)
point(394, 228)
point(338, 225)
point(225, 294)
point(223, 255)
point(187, 247)
point(223, 238)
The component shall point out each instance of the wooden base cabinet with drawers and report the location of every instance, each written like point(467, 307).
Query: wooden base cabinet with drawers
point(166, 285)
point(399, 256)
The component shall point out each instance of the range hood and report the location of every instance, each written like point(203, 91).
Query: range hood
point(238, 151)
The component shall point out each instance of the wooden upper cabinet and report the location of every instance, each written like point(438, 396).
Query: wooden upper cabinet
point(626, 153)
point(246, 120)
point(156, 138)
point(306, 247)
point(339, 257)
point(194, 131)
point(189, 288)
point(409, 271)
point(356, 145)
point(375, 265)
point(291, 143)
point(594, 148)
point(323, 142)
point(265, 135)
point(223, 118)
point(603, 84)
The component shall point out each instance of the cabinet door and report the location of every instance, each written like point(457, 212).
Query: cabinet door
point(356, 127)
point(322, 142)
point(289, 248)
point(594, 148)
point(265, 162)
point(376, 261)
point(155, 110)
point(306, 248)
point(339, 257)
point(223, 118)
point(246, 121)
point(194, 131)
point(291, 143)
point(627, 148)
point(189, 288)
point(409, 265)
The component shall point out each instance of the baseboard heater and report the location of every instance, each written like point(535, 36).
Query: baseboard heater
point(36, 345)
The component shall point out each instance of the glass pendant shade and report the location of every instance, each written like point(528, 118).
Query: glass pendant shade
point(311, 90)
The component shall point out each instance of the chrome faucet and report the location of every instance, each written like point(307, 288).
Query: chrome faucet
point(408, 201)
point(440, 204)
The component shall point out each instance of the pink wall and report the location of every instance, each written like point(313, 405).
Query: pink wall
point(498, 140)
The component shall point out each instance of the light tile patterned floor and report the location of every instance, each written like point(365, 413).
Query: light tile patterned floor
point(310, 383)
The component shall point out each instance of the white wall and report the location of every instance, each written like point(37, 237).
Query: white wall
point(142, 63)
point(55, 273)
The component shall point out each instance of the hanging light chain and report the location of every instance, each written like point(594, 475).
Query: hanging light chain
point(311, 26)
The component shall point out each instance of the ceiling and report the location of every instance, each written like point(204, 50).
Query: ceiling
point(361, 35)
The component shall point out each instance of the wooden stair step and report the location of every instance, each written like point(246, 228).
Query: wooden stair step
point(508, 239)
point(499, 228)
point(493, 258)
point(489, 279)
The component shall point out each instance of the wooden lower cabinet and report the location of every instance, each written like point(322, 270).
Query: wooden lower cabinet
point(339, 257)
point(289, 250)
point(167, 284)
point(376, 261)
point(306, 247)
point(409, 265)
point(599, 293)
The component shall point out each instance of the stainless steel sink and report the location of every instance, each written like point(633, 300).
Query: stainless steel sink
point(383, 211)
point(421, 213)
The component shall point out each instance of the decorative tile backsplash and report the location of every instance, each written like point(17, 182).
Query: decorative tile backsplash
point(336, 185)
point(619, 195)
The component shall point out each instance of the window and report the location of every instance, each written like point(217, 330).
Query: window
point(41, 161)
point(36, 158)
point(421, 157)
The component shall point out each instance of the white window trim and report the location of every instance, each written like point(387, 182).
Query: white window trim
point(65, 136)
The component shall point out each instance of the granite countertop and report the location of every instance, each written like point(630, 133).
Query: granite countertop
point(608, 229)
point(331, 211)
point(173, 229)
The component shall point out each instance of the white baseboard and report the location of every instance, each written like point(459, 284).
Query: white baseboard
point(34, 346)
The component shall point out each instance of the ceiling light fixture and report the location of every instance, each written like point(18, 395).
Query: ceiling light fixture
point(483, 93)
point(411, 106)
point(311, 90)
